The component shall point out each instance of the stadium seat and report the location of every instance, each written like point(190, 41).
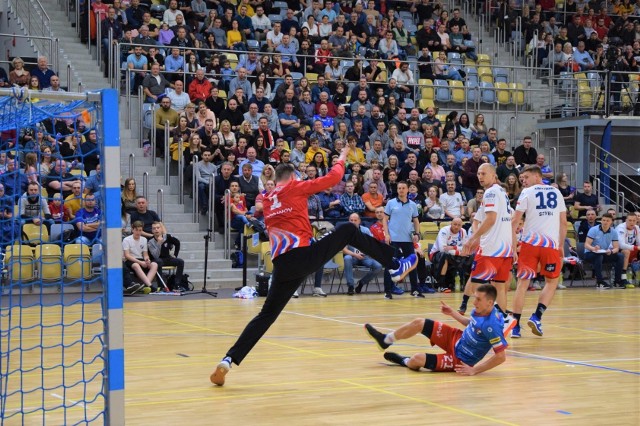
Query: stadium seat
point(430, 235)
point(502, 93)
point(147, 112)
point(472, 74)
point(409, 104)
point(454, 58)
point(312, 77)
point(233, 59)
point(19, 262)
point(517, 93)
point(280, 5)
point(253, 44)
point(485, 75)
point(442, 91)
point(77, 259)
point(484, 59)
point(57, 230)
point(567, 83)
point(472, 91)
point(49, 261)
point(35, 234)
point(426, 91)
point(265, 249)
point(336, 267)
point(78, 172)
point(500, 75)
point(423, 104)
point(296, 76)
point(428, 226)
point(222, 94)
point(487, 94)
point(457, 91)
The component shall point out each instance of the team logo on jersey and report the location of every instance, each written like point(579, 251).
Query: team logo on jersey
point(550, 267)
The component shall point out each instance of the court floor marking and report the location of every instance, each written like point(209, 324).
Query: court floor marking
point(522, 354)
point(424, 401)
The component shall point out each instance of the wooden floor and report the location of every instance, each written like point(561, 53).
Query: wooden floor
point(316, 366)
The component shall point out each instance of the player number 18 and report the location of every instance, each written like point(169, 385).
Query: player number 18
point(550, 201)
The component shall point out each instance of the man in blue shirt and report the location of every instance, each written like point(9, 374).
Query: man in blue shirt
point(401, 230)
point(601, 246)
point(289, 122)
point(138, 64)
point(88, 221)
point(350, 201)
point(464, 350)
point(288, 51)
point(354, 257)
point(244, 22)
point(249, 62)
point(43, 73)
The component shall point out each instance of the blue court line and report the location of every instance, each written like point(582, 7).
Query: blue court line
point(565, 361)
point(563, 412)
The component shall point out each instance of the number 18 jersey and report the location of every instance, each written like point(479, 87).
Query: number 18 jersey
point(542, 205)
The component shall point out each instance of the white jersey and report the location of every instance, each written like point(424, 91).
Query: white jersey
point(628, 238)
point(543, 205)
point(497, 242)
point(452, 203)
point(448, 238)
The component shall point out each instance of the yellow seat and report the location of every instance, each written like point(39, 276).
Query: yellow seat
point(426, 103)
point(468, 62)
point(253, 243)
point(49, 261)
point(485, 75)
point(78, 172)
point(426, 91)
point(222, 94)
point(457, 91)
point(625, 97)
point(575, 214)
point(77, 259)
point(312, 77)
point(442, 117)
point(155, 21)
point(430, 235)
point(428, 226)
point(265, 249)
point(35, 234)
point(424, 247)
point(517, 93)
point(19, 261)
point(585, 97)
point(571, 233)
point(484, 59)
point(502, 93)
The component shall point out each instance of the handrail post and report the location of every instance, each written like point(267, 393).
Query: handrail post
point(110, 58)
point(554, 150)
point(166, 153)
point(68, 75)
point(132, 165)
point(227, 225)
point(194, 187)
point(180, 171)
point(89, 12)
point(572, 171)
point(512, 130)
point(127, 88)
point(145, 185)
point(98, 40)
point(152, 136)
point(160, 202)
point(212, 195)
point(140, 108)
point(621, 203)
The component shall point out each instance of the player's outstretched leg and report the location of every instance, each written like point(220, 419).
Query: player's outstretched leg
point(396, 358)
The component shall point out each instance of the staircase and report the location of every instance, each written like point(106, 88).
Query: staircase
point(177, 217)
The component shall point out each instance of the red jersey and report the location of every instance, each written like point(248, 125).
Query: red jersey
point(377, 230)
point(285, 210)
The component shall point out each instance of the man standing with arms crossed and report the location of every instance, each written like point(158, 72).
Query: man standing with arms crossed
point(496, 240)
point(545, 229)
point(296, 254)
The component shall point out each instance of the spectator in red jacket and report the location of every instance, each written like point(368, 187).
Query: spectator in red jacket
point(199, 88)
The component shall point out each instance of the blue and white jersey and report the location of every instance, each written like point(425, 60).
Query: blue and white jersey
point(482, 334)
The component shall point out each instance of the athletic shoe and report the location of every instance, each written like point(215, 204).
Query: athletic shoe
point(515, 333)
point(133, 288)
point(359, 287)
point(535, 325)
point(428, 289)
point(295, 295)
point(217, 378)
point(622, 284)
point(351, 291)
point(603, 285)
point(377, 336)
point(462, 310)
point(317, 292)
point(395, 358)
point(509, 323)
point(397, 290)
point(536, 285)
point(444, 290)
point(407, 264)
point(629, 285)
point(416, 293)
point(146, 290)
point(388, 296)
point(561, 286)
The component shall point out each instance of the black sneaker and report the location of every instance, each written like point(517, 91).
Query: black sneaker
point(462, 309)
point(621, 284)
point(395, 358)
point(416, 293)
point(359, 287)
point(388, 296)
point(351, 291)
point(377, 336)
point(133, 288)
point(603, 285)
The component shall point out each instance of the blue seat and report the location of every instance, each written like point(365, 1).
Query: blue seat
point(487, 93)
point(454, 58)
point(296, 76)
point(472, 74)
point(409, 104)
point(253, 44)
point(472, 91)
point(442, 91)
point(500, 75)
point(275, 18)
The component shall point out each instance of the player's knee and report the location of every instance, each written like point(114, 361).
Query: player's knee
point(417, 361)
point(417, 323)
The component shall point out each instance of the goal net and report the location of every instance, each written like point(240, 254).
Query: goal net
point(61, 352)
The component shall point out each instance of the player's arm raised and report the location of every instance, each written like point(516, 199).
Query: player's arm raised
point(447, 310)
point(334, 176)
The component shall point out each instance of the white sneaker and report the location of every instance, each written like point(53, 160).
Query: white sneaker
point(536, 285)
point(561, 286)
point(317, 291)
point(509, 324)
point(295, 295)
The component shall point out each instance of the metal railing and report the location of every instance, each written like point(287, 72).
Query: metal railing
point(132, 165)
point(619, 170)
point(37, 25)
point(44, 46)
point(194, 188)
point(227, 224)
point(160, 203)
point(145, 185)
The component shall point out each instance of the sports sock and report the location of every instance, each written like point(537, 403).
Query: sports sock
point(517, 317)
point(624, 275)
point(540, 310)
point(465, 300)
point(227, 359)
point(390, 338)
point(500, 310)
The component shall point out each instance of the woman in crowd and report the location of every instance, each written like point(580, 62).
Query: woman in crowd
point(226, 136)
point(437, 171)
point(433, 209)
point(19, 76)
point(261, 81)
point(129, 195)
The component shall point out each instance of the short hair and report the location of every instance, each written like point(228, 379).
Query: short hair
point(284, 171)
point(609, 215)
point(489, 291)
point(137, 225)
point(247, 166)
point(532, 168)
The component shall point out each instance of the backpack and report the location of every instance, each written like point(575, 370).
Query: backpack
point(183, 285)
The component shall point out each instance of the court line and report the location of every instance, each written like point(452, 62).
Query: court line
point(434, 404)
point(567, 361)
